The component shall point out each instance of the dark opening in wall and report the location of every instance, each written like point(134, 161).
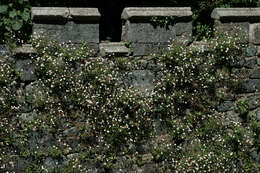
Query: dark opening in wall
point(110, 23)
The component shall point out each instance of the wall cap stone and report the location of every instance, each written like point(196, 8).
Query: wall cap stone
point(24, 49)
point(148, 12)
point(85, 13)
point(63, 13)
point(49, 13)
point(236, 14)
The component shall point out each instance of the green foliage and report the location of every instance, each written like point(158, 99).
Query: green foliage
point(164, 22)
point(83, 102)
point(15, 20)
point(190, 74)
point(242, 108)
point(256, 129)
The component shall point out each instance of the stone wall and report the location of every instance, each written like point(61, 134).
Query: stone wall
point(244, 22)
point(139, 31)
point(68, 24)
point(79, 25)
point(148, 36)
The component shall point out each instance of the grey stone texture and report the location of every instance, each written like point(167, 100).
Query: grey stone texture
point(251, 85)
point(147, 33)
point(70, 31)
point(49, 13)
point(258, 114)
point(226, 106)
point(236, 14)
point(24, 49)
point(250, 63)
point(140, 79)
point(4, 50)
point(148, 12)
point(113, 49)
point(242, 73)
point(254, 32)
point(67, 24)
point(250, 51)
point(255, 74)
point(26, 69)
point(148, 37)
point(242, 21)
point(141, 49)
point(253, 102)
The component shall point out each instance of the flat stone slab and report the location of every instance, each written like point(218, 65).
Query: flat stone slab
point(91, 14)
point(236, 14)
point(25, 49)
point(114, 48)
point(62, 13)
point(49, 13)
point(149, 12)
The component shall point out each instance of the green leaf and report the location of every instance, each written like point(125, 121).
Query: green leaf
point(20, 2)
point(7, 28)
point(26, 15)
point(12, 13)
point(17, 25)
point(3, 9)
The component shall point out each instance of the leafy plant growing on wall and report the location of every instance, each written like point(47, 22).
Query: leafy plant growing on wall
point(15, 17)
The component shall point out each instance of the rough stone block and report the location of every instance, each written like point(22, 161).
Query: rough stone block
point(255, 74)
point(236, 14)
point(144, 34)
point(140, 79)
point(67, 24)
point(115, 49)
point(258, 115)
point(74, 32)
point(141, 49)
point(25, 49)
point(84, 14)
point(254, 33)
point(133, 13)
point(147, 33)
point(258, 62)
point(184, 29)
point(253, 102)
point(250, 63)
point(49, 13)
point(242, 73)
point(4, 50)
point(226, 106)
point(27, 70)
point(250, 51)
point(238, 63)
point(251, 85)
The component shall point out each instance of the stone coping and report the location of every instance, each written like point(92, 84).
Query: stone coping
point(63, 13)
point(236, 14)
point(24, 49)
point(148, 12)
